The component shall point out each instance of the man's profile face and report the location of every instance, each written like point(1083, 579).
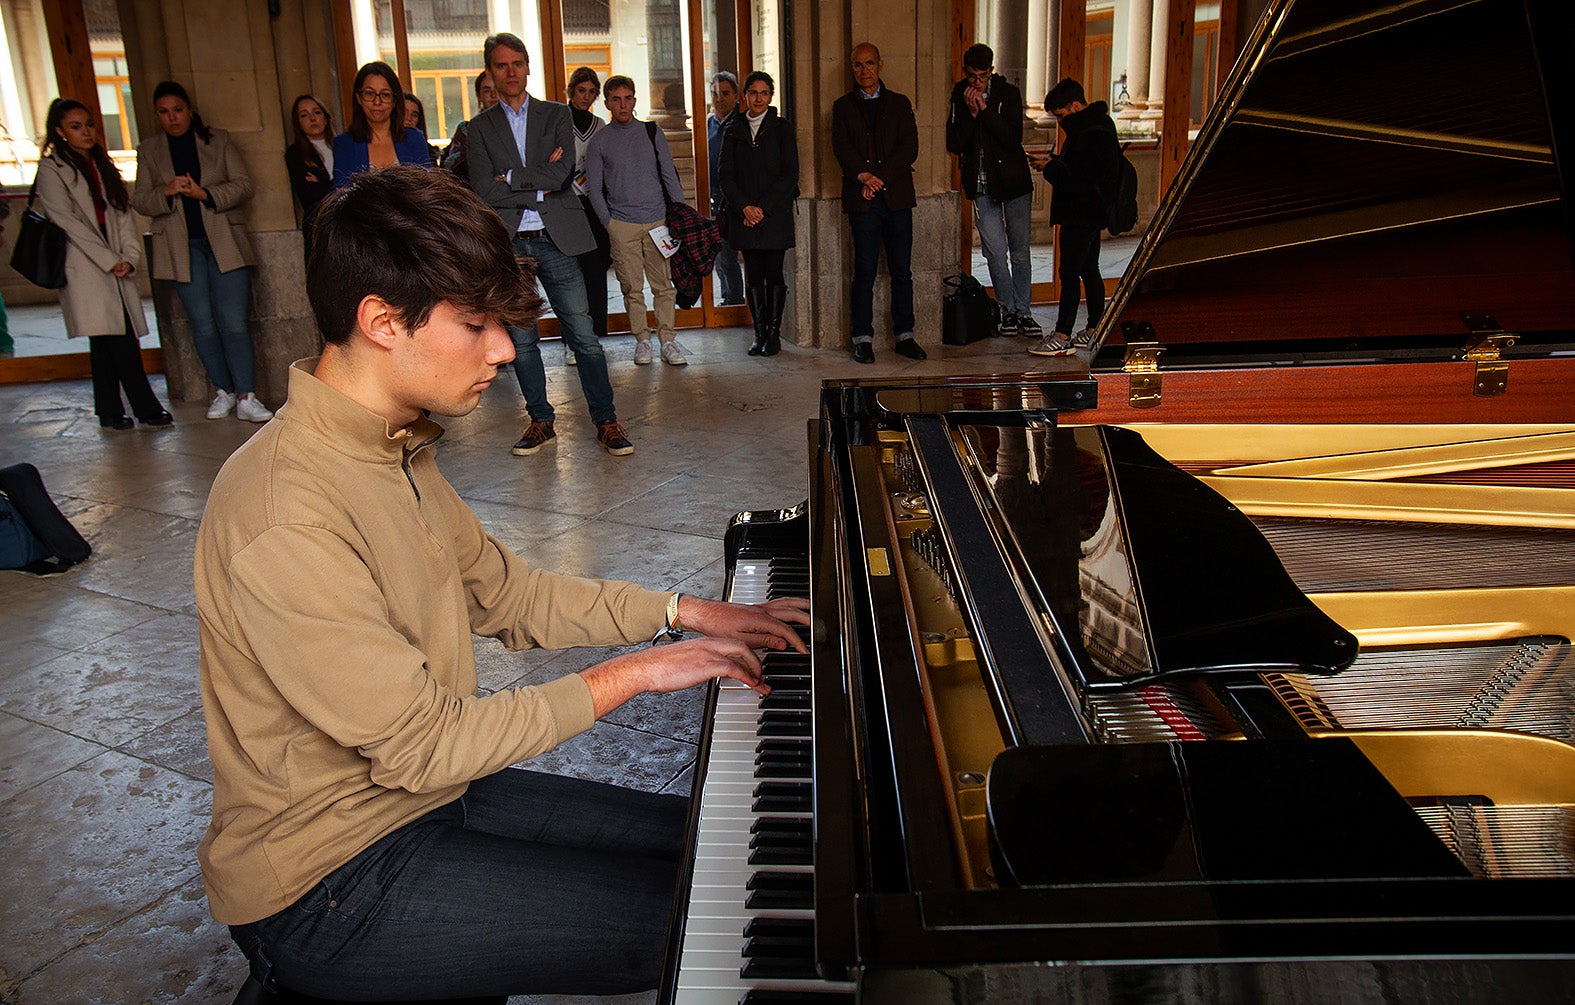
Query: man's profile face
point(724, 98)
point(866, 68)
point(620, 105)
point(509, 69)
point(445, 365)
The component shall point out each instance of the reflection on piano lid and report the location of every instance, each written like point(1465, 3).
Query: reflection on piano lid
point(1073, 732)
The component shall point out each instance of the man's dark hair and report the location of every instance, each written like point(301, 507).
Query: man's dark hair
point(415, 238)
point(1064, 93)
point(619, 82)
point(505, 39)
point(481, 78)
point(978, 57)
point(360, 129)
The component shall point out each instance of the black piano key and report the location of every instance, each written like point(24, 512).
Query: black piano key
point(789, 950)
point(783, 745)
point(801, 927)
point(759, 997)
point(783, 797)
point(782, 855)
point(783, 724)
point(782, 769)
point(782, 825)
point(785, 700)
point(773, 969)
point(780, 891)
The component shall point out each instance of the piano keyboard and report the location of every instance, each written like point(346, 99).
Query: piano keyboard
point(749, 933)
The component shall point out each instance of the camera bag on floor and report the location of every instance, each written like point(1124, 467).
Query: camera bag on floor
point(968, 312)
point(34, 535)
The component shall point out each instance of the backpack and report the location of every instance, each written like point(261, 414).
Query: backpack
point(1123, 209)
point(34, 535)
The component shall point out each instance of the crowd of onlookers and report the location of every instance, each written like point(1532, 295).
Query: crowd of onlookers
point(581, 194)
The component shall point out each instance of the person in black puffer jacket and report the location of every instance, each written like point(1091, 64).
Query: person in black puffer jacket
point(758, 174)
point(1083, 176)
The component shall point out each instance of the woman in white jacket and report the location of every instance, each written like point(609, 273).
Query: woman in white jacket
point(83, 194)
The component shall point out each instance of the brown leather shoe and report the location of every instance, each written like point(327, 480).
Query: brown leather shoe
point(610, 436)
point(536, 436)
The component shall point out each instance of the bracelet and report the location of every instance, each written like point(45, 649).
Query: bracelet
point(674, 629)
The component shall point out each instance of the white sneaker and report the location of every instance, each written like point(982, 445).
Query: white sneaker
point(642, 351)
point(672, 354)
point(223, 401)
point(249, 408)
point(568, 356)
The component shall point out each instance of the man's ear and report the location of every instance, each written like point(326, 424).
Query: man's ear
point(377, 321)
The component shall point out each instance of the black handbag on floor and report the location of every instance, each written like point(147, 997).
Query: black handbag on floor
point(44, 541)
point(968, 312)
point(40, 252)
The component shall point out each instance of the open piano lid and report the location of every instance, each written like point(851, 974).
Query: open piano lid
point(1371, 173)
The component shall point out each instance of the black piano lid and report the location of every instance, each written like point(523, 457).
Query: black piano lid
point(1369, 173)
point(1144, 570)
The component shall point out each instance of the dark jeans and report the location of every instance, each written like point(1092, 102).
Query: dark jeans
point(560, 276)
point(116, 362)
point(1079, 263)
point(764, 268)
point(528, 884)
point(728, 276)
point(216, 304)
point(873, 229)
point(593, 269)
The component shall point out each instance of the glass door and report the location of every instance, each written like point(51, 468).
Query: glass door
point(669, 48)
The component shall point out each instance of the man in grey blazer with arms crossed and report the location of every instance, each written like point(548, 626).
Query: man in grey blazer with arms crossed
point(521, 159)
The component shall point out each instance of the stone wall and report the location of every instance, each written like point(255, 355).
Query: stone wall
point(914, 37)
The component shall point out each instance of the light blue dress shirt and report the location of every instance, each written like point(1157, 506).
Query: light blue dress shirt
point(529, 218)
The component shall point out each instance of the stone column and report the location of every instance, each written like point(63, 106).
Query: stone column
point(915, 39)
point(1154, 112)
point(1140, 31)
point(242, 69)
point(1044, 21)
point(1010, 40)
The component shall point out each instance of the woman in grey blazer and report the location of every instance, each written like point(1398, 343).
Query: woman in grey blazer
point(82, 193)
point(192, 184)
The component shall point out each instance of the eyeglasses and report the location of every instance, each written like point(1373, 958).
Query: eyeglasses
point(377, 97)
point(756, 92)
point(977, 76)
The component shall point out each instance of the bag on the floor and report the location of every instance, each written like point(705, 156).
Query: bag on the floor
point(699, 239)
point(34, 535)
point(40, 252)
point(968, 312)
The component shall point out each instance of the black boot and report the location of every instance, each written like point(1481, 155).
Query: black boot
point(756, 297)
point(776, 301)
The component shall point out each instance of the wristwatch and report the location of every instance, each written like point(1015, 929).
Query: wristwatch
point(674, 629)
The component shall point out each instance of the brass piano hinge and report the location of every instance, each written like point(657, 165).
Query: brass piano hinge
point(1142, 364)
point(1488, 341)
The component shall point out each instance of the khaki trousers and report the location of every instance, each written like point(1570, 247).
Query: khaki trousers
point(636, 261)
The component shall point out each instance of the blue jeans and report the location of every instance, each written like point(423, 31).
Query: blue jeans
point(873, 229)
point(528, 884)
point(560, 276)
point(216, 304)
point(1003, 236)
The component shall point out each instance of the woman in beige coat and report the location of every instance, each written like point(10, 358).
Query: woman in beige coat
point(192, 184)
point(82, 193)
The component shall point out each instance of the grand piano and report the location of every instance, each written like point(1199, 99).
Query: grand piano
point(1234, 662)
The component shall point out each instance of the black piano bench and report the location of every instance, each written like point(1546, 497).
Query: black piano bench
point(253, 993)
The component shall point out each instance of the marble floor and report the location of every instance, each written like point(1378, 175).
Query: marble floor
point(104, 774)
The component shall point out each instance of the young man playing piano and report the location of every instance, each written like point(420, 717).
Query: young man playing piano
point(369, 840)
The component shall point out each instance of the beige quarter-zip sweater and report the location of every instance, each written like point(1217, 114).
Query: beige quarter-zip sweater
point(339, 580)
